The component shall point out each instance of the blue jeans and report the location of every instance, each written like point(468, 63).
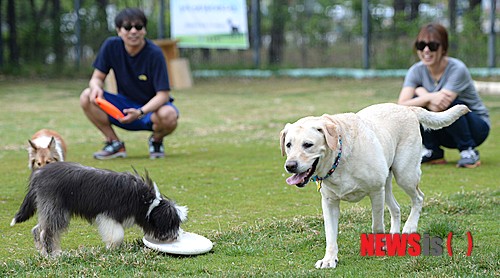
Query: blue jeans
point(122, 102)
point(469, 131)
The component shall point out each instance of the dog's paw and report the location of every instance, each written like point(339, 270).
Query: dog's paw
point(56, 253)
point(327, 262)
point(409, 229)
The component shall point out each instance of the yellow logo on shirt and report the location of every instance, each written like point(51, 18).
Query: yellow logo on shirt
point(143, 77)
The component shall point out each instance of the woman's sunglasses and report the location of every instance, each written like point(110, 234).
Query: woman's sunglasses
point(129, 27)
point(420, 45)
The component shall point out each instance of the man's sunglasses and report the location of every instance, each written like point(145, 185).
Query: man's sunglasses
point(129, 27)
point(420, 45)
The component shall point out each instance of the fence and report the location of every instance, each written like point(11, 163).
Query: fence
point(329, 36)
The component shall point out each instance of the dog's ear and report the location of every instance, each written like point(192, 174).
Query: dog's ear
point(52, 145)
point(282, 138)
point(147, 179)
point(330, 130)
point(31, 153)
point(32, 145)
point(135, 171)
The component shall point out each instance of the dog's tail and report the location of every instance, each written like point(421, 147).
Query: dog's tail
point(437, 120)
point(27, 209)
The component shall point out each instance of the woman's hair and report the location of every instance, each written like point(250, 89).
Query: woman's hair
point(435, 32)
point(130, 15)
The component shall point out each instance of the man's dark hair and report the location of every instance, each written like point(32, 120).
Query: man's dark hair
point(130, 15)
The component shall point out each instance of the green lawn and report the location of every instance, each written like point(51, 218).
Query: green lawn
point(224, 163)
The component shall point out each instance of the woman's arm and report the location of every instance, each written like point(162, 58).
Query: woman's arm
point(414, 97)
point(437, 101)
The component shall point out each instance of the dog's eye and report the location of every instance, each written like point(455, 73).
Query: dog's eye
point(288, 145)
point(307, 145)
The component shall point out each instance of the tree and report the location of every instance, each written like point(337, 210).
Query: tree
point(36, 52)
point(102, 31)
point(57, 42)
point(473, 4)
point(1, 38)
point(11, 21)
point(278, 13)
point(414, 4)
point(400, 7)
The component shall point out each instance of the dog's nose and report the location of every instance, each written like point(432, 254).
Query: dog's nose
point(291, 166)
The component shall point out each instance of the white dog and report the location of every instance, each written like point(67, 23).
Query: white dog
point(351, 156)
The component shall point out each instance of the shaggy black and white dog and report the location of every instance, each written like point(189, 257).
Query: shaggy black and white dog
point(112, 200)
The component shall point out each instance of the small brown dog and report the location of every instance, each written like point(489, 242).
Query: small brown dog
point(46, 146)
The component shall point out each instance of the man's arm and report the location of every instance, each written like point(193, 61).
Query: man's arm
point(96, 84)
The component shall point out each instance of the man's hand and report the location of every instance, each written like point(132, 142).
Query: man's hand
point(131, 114)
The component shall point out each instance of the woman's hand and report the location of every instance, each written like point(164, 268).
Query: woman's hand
point(440, 101)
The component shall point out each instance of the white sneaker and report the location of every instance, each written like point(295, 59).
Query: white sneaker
point(469, 159)
point(433, 157)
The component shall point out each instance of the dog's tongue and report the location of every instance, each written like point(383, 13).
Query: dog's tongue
point(296, 178)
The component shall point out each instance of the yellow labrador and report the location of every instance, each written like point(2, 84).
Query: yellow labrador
point(354, 155)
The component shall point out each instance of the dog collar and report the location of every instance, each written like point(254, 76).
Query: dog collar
point(319, 180)
point(156, 201)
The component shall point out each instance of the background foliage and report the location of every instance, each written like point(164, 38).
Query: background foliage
point(39, 36)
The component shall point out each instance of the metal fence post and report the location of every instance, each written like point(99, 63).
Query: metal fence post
point(491, 37)
point(366, 33)
point(256, 32)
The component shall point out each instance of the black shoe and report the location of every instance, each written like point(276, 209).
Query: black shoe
point(156, 149)
point(433, 156)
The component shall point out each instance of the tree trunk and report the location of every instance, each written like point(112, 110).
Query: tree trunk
point(414, 4)
point(278, 13)
point(57, 43)
point(35, 52)
point(399, 5)
point(1, 39)
point(473, 4)
point(452, 8)
point(11, 21)
point(103, 31)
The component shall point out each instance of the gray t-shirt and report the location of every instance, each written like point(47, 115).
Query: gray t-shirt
point(456, 78)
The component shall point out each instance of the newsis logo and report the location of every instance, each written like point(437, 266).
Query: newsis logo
point(408, 244)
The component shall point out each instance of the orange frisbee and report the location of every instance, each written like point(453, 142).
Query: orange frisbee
point(109, 108)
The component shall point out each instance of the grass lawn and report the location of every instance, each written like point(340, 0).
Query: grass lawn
point(224, 163)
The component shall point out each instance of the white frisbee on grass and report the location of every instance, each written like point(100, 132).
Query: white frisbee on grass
point(185, 244)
